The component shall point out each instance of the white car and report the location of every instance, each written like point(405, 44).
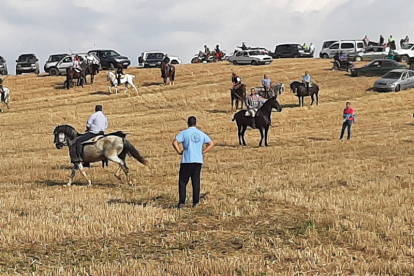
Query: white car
point(406, 52)
point(253, 57)
point(154, 59)
point(66, 62)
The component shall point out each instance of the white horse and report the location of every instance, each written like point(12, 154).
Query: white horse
point(126, 79)
point(6, 97)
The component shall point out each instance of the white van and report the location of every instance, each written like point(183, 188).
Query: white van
point(345, 46)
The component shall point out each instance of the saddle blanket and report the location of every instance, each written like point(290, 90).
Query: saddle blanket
point(93, 140)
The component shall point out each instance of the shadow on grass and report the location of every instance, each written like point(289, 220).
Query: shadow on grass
point(218, 111)
point(371, 89)
point(289, 106)
point(319, 139)
point(146, 84)
point(225, 145)
point(100, 93)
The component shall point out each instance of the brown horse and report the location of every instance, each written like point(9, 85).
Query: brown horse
point(238, 94)
point(262, 121)
point(91, 69)
point(167, 72)
point(301, 91)
point(72, 74)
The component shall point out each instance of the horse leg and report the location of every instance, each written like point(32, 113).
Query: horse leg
point(110, 89)
point(133, 85)
point(313, 99)
point(242, 134)
point(303, 101)
point(72, 175)
point(266, 132)
point(117, 173)
point(126, 88)
point(80, 166)
point(239, 133)
point(299, 101)
point(317, 98)
point(114, 158)
point(261, 135)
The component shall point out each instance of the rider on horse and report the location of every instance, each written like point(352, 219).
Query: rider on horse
point(166, 61)
point(2, 90)
point(306, 80)
point(119, 73)
point(236, 80)
point(90, 59)
point(96, 125)
point(76, 63)
point(253, 104)
point(267, 83)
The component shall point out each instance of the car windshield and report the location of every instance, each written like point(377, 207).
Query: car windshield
point(55, 58)
point(407, 46)
point(111, 54)
point(25, 58)
point(392, 75)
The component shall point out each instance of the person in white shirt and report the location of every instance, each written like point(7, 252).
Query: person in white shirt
point(96, 125)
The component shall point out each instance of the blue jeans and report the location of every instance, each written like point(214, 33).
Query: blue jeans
point(346, 125)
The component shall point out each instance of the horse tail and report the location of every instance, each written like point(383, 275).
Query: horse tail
point(131, 150)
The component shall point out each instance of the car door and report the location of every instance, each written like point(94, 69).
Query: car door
point(287, 51)
point(65, 63)
point(245, 58)
point(104, 59)
point(333, 49)
point(369, 53)
point(410, 83)
point(374, 69)
point(387, 66)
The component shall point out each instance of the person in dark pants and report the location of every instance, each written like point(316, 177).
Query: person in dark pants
point(119, 73)
point(1, 90)
point(192, 141)
point(96, 125)
point(348, 116)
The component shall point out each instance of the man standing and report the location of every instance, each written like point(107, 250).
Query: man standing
point(312, 48)
point(348, 116)
point(96, 125)
point(192, 141)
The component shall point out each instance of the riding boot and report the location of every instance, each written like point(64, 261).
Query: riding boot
point(2, 96)
point(253, 123)
point(74, 157)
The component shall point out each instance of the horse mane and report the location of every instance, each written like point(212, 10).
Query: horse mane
point(67, 129)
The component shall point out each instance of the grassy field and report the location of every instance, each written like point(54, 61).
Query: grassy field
point(307, 205)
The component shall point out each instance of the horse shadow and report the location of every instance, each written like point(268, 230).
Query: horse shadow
point(217, 111)
point(100, 93)
point(371, 89)
point(146, 84)
point(292, 105)
point(319, 139)
point(59, 87)
point(62, 167)
point(162, 201)
point(52, 183)
point(225, 145)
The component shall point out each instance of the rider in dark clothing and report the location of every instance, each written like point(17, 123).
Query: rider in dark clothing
point(218, 49)
point(243, 46)
point(119, 73)
point(166, 61)
point(1, 90)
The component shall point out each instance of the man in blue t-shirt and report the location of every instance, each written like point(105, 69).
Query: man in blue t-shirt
point(192, 141)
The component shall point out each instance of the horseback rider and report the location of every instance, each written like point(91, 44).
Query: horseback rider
point(90, 59)
point(306, 80)
point(96, 125)
point(166, 61)
point(267, 83)
point(206, 50)
point(119, 73)
point(2, 90)
point(236, 80)
point(253, 104)
point(76, 63)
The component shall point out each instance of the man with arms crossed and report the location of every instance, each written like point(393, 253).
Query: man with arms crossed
point(192, 141)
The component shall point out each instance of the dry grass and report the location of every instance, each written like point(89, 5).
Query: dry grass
point(307, 205)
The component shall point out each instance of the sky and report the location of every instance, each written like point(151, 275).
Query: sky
point(182, 27)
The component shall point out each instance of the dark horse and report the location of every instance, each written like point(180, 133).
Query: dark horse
point(167, 73)
point(72, 74)
point(91, 69)
point(300, 90)
point(237, 95)
point(262, 121)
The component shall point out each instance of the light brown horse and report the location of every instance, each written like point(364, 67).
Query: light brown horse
point(238, 94)
point(112, 147)
point(167, 72)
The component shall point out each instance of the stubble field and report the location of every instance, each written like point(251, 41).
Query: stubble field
point(307, 205)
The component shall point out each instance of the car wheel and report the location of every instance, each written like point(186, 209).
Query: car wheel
point(398, 88)
point(361, 74)
point(277, 56)
point(254, 62)
point(53, 72)
point(37, 72)
point(295, 56)
point(325, 56)
point(404, 58)
point(146, 65)
point(174, 62)
point(18, 73)
point(358, 59)
point(411, 67)
point(235, 62)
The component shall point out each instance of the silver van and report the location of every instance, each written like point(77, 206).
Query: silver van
point(345, 46)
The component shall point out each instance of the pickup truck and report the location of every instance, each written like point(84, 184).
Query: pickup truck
point(154, 59)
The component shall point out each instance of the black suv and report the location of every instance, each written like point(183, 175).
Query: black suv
point(290, 51)
point(110, 59)
point(3, 66)
point(27, 63)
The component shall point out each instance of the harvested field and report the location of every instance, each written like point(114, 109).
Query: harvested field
point(307, 205)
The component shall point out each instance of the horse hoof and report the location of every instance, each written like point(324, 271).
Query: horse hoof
point(89, 183)
point(118, 177)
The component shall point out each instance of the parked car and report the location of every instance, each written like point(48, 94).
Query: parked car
point(253, 57)
point(154, 59)
point(3, 66)
point(27, 63)
point(345, 46)
point(406, 51)
point(51, 62)
point(325, 46)
point(395, 80)
point(377, 67)
point(290, 51)
point(110, 59)
point(66, 62)
point(369, 53)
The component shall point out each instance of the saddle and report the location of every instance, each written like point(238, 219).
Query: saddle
point(93, 140)
point(78, 70)
point(99, 137)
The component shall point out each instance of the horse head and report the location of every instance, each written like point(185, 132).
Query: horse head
point(275, 104)
point(63, 134)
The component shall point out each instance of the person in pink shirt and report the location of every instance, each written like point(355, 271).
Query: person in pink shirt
point(349, 118)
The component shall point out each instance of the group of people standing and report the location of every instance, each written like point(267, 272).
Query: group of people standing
point(389, 43)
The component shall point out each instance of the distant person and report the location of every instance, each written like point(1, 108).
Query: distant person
point(217, 49)
point(166, 61)
point(312, 48)
point(304, 46)
point(90, 59)
point(236, 80)
point(381, 40)
point(266, 82)
point(306, 80)
point(206, 50)
point(349, 117)
point(405, 41)
point(2, 90)
point(366, 40)
point(243, 46)
point(192, 140)
point(119, 73)
point(391, 43)
point(76, 63)
point(253, 104)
